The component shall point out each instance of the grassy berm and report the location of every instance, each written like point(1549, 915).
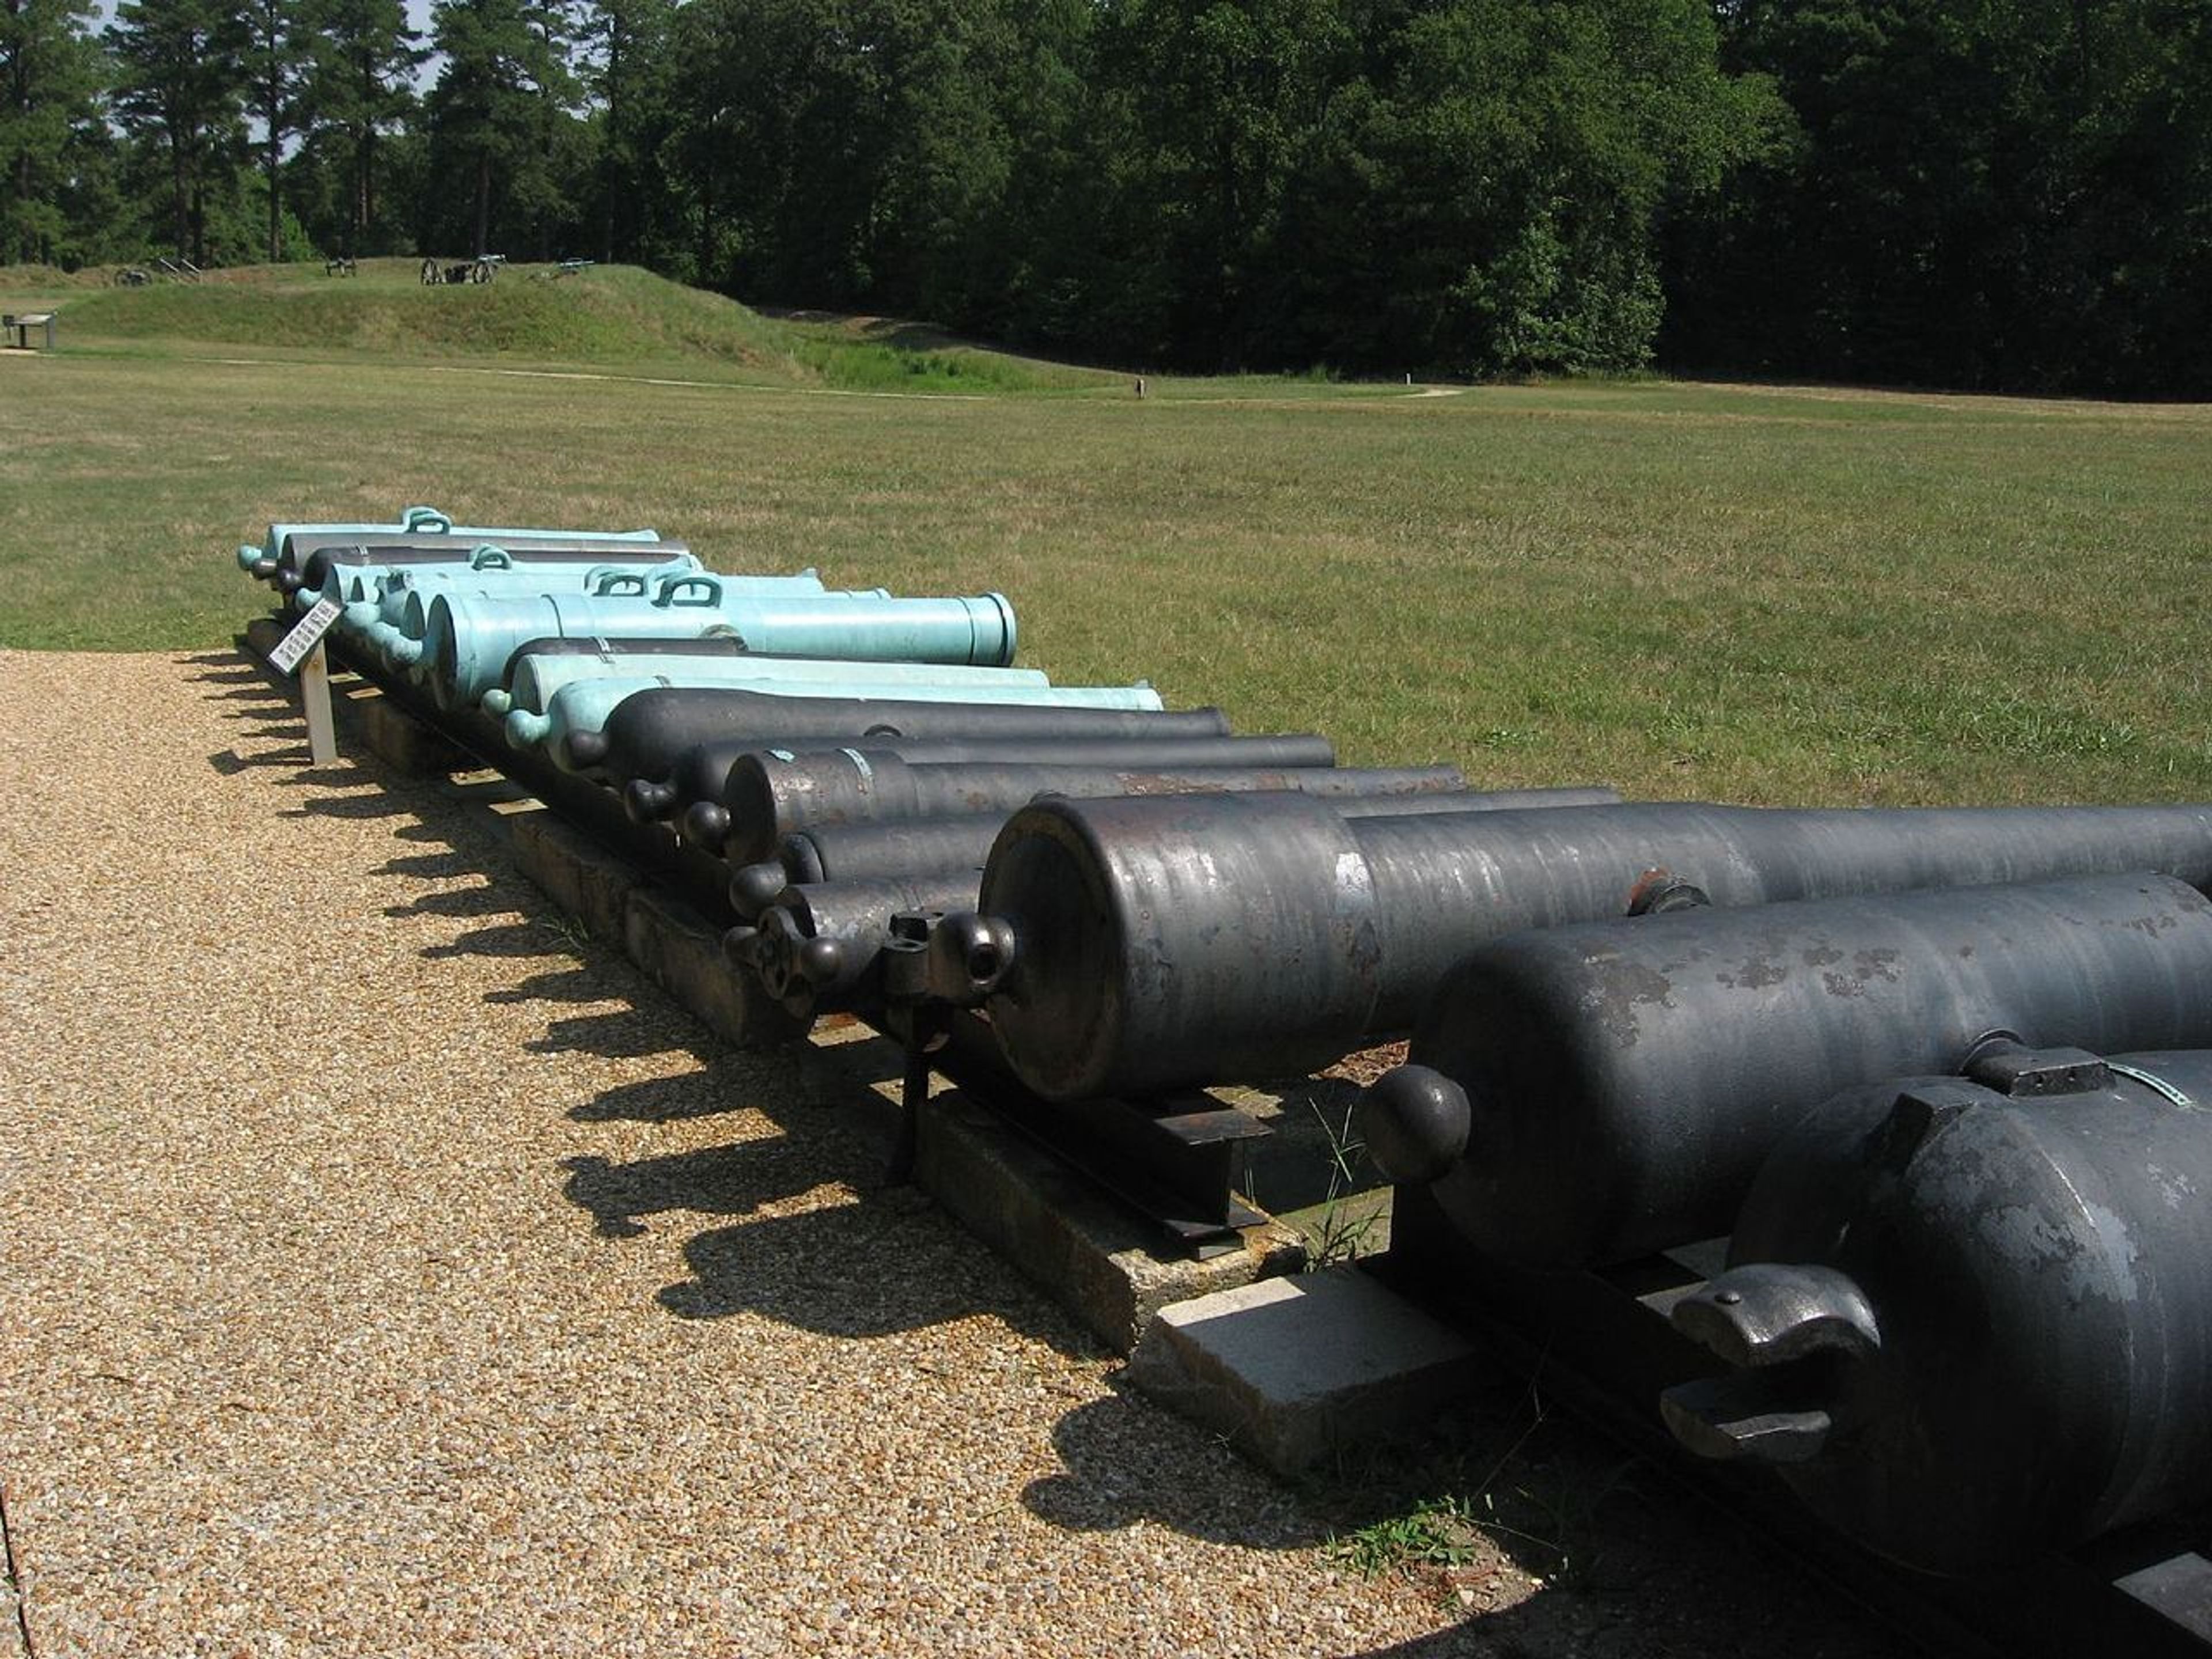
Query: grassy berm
point(1761, 593)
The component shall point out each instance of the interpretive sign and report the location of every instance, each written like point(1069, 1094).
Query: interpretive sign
point(305, 636)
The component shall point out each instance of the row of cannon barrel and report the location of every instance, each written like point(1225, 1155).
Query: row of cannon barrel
point(1943, 1076)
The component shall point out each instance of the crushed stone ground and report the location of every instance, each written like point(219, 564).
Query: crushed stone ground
point(382, 1270)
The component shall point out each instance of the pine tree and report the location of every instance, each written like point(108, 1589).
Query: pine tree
point(49, 84)
point(360, 88)
point(276, 71)
point(180, 73)
point(507, 82)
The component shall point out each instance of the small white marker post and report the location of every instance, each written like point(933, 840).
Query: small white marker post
point(300, 652)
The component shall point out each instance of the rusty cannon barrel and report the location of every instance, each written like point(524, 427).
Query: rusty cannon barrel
point(651, 731)
point(1165, 943)
point(855, 914)
point(702, 775)
point(1970, 1317)
point(851, 852)
point(706, 821)
point(769, 797)
point(1587, 1094)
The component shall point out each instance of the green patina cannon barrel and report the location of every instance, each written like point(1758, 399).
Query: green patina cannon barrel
point(402, 614)
point(287, 543)
point(467, 641)
point(357, 570)
point(391, 619)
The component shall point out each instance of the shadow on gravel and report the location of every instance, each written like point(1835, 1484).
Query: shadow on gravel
point(229, 762)
point(483, 900)
point(619, 1033)
point(886, 1262)
point(731, 1180)
point(1555, 1542)
point(679, 1099)
point(373, 804)
point(585, 982)
point(254, 689)
point(430, 867)
point(1126, 1461)
point(524, 936)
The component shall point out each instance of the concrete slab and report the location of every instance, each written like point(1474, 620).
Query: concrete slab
point(1293, 1371)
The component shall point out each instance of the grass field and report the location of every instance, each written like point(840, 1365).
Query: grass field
point(1758, 595)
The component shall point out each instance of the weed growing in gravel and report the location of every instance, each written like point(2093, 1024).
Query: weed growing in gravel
point(575, 938)
point(1438, 1533)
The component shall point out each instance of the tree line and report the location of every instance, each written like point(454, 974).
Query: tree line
point(1983, 193)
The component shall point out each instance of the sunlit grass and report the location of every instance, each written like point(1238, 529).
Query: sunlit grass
point(1755, 594)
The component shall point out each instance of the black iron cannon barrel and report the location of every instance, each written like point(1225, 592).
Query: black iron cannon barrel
point(1162, 944)
point(650, 732)
point(788, 912)
point(1611, 1088)
point(769, 797)
point(818, 949)
point(313, 556)
point(848, 852)
point(1970, 1318)
point(702, 775)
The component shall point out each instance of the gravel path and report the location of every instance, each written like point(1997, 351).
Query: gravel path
point(380, 1272)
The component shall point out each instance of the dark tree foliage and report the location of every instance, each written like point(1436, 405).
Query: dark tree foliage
point(1995, 193)
point(277, 67)
point(50, 82)
point(180, 82)
point(505, 143)
point(1986, 193)
point(360, 71)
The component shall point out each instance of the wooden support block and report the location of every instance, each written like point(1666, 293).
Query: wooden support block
point(405, 743)
point(1104, 1265)
point(576, 872)
point(682, 952)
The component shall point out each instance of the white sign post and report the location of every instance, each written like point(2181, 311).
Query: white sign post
point(302, 651)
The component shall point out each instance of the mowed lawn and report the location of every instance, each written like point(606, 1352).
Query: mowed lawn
point(1758, 594)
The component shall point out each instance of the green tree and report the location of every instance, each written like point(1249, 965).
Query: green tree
point(277, 62)
point(49, 89)
point(361, 67)
point(1225, 97)
point(499, 114)
point(1999, 193)
point(627, 74)
point(179, 74)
